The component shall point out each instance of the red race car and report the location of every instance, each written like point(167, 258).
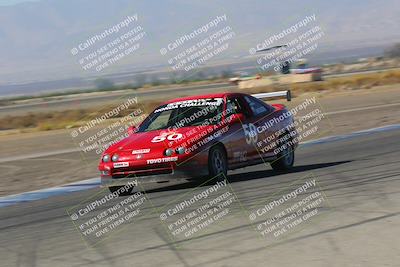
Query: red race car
point(202, 136)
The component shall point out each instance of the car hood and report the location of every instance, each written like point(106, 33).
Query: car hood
point(145, 140)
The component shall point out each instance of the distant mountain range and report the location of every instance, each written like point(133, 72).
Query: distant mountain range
point(36, 37)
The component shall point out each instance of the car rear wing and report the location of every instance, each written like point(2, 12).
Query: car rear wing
point(286, 94)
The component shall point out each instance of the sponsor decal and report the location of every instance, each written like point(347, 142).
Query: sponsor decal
point(191, 103)
point(141, 151)
point(121, 164)
point(161, 160)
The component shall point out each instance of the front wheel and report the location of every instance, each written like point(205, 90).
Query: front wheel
point(285, 160)
point(218, 163)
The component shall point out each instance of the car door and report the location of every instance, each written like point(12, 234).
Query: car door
point(238, 148)
point(258, 130)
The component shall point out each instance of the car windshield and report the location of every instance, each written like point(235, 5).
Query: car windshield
point(186, 113)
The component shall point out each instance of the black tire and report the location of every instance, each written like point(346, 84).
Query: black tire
point(217, 163)
point(285, 160)
point(114, 189)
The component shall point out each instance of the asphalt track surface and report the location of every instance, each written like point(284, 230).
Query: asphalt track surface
point(358, 224)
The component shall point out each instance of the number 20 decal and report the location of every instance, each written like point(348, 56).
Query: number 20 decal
point(170, 137)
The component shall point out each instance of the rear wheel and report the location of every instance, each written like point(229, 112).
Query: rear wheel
point(285, 159)
point(218, 163)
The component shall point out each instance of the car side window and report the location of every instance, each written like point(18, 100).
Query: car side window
point(256, 106)
point(235, 106)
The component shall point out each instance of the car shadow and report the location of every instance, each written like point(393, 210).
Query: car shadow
point(245, 176)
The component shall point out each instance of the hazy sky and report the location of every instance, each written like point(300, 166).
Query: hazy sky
point(12, 2)
point(37, 39)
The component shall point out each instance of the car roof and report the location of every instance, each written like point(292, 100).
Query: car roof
point(192, 97)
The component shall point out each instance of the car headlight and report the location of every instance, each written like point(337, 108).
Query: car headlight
point(106, 158)
point(115, 157)
point(168, 152)
point(180, 150)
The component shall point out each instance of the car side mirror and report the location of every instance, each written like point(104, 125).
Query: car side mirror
point(237, 118)
point(132, 130)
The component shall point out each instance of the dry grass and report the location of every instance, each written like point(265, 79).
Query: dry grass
point(73, 118)
point(63, 119)
point(353, 82)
